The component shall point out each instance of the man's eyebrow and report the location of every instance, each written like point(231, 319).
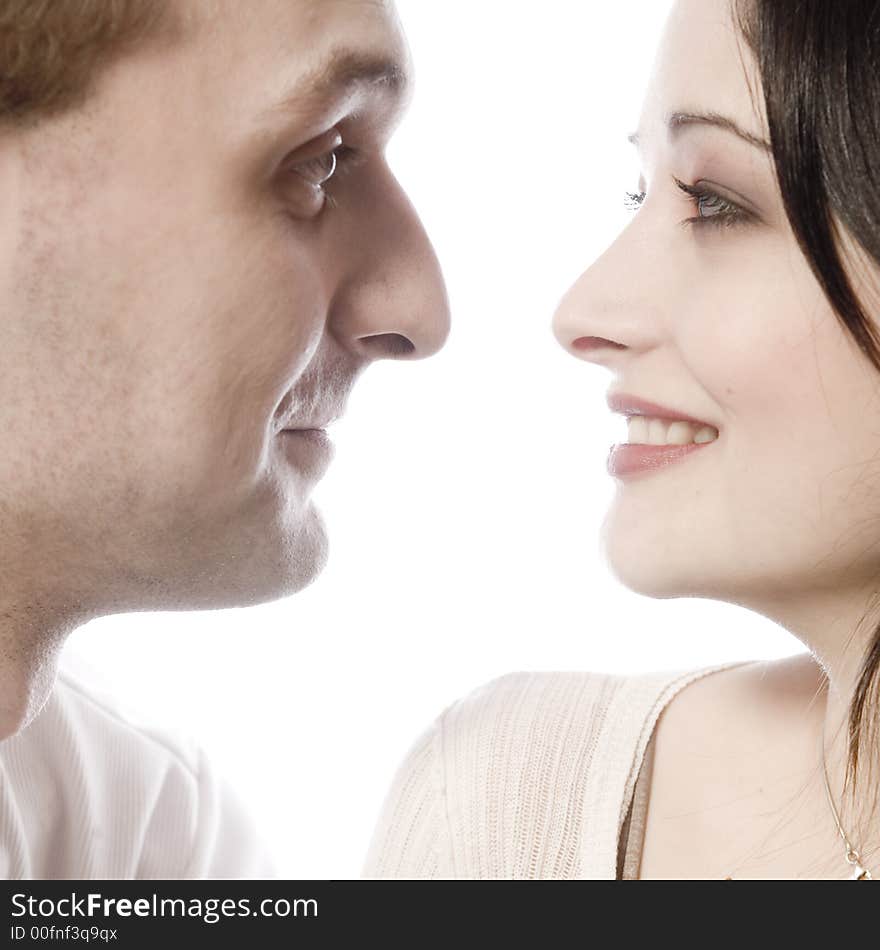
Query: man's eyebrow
point(343, 70)
point(677, 122)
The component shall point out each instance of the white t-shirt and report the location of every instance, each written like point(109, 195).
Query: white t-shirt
point(86, 794)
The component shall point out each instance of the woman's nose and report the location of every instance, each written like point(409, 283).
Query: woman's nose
point(586, 328)
point(607, 314)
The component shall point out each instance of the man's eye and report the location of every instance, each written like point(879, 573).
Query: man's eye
point(319, 170)
point(308, 181)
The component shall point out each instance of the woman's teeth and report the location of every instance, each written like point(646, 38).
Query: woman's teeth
point(644, 430)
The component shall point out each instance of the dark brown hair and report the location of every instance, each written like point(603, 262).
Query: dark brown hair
point(819, 62)
point(52, 51)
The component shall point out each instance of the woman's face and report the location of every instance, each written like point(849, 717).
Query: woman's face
point(720, 318)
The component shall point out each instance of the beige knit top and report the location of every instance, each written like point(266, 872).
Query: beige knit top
point(530, 776)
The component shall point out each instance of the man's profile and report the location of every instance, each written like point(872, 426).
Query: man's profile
point(202, 247)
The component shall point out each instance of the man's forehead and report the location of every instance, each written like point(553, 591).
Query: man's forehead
point(345, 68)
point(302, 52)
point(350, 66)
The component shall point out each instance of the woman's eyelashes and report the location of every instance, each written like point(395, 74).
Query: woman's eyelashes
point(713, 210)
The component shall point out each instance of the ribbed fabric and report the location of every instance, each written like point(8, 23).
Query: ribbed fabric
point(529, 776)
point(632, 836)
point(85, 794)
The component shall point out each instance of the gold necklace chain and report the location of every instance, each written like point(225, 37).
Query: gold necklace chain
point(852, 856)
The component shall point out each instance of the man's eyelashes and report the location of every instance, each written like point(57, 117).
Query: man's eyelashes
point(334, 163)
point(309, 183)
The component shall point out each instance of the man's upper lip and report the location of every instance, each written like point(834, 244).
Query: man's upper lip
point(304, 426)
point(634, 406)
point(318, 423)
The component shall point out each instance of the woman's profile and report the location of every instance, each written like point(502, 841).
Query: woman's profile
point(738, 314)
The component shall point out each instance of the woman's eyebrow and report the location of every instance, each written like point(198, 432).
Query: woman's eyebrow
point(678, 122)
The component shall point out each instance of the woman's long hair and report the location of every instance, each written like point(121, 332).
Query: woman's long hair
point(819, 62)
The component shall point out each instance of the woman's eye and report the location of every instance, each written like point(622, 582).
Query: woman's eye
point(712, 208)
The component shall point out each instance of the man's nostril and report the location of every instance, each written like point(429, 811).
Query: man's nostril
point(385, 345)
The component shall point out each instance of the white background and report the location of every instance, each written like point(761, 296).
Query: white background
point(467, 494)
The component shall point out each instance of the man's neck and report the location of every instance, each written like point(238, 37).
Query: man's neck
point(31, 638)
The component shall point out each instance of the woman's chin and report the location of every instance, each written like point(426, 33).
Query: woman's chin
point(645, 568)
point(644, 579)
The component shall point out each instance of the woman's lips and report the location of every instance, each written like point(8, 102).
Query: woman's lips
point(625, 460)
point(628, 405)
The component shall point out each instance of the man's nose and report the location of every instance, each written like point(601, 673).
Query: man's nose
point(393, 303)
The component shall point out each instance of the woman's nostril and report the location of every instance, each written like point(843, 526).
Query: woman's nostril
point(584, 343)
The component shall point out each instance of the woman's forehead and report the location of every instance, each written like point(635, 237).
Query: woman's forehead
point(703, 66)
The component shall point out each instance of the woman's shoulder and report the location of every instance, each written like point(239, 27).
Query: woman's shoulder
point(528, 729)
point(527, 713)
point(512, 776)
point(561, 710)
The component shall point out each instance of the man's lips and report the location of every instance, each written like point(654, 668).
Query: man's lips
point(309, 451)
point(304, 439)
point(314, 423)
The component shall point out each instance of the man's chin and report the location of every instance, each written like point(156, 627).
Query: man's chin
point(309, 551)
point(283, 571)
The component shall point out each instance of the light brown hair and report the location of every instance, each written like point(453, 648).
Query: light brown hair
point(52, 51)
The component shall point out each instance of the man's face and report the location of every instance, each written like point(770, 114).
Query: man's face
point(177, 289)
